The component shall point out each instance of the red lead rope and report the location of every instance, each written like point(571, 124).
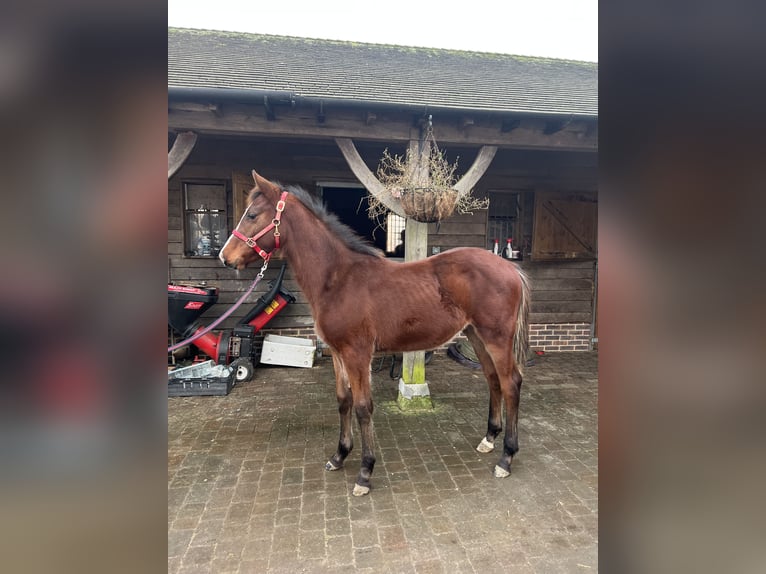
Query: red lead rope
point(220, 319)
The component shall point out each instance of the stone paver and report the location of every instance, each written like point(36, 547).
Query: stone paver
point(247, 492)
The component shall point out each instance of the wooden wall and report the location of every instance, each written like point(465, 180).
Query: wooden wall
point(562, 291)
point(460, 230)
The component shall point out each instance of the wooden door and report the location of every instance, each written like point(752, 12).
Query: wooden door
point(564, 226)
point(241, 184)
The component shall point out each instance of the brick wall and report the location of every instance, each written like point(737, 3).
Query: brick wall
point(548, 337)
point(560, 337)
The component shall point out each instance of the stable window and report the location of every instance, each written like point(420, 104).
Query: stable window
point(205, 223)
point(504, 219)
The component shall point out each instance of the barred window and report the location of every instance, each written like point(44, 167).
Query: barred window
point(205, 224)
point(394, 228)
point(503, 219)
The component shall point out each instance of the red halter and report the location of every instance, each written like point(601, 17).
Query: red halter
point(251, 241)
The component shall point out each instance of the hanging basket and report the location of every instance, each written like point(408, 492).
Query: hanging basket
point(429, 204)
point(424, 185)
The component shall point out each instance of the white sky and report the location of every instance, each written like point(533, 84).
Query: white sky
point(552, 28)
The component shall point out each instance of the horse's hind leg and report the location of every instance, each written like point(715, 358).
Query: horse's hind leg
point(511, 388)
point(505, 385)
point(494, 419)
point(343, 392)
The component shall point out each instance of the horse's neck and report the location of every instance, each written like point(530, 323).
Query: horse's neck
point(316, 255)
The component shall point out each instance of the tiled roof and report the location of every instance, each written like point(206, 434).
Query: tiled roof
point(330, 69)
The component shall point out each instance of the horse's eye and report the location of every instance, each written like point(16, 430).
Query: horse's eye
point(251, 216)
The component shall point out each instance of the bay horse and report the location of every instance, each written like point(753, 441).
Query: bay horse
point(363, 303)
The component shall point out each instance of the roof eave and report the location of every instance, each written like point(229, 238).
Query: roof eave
point(243, 95)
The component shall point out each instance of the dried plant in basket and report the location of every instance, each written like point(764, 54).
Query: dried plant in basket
point(427, 195)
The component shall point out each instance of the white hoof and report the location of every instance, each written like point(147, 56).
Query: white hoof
point(485, 446)
point(330, 466)
point(501, 472)
point(360, 490)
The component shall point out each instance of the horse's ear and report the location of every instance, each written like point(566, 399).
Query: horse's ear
point(263, 184)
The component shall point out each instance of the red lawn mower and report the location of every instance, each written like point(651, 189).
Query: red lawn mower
point(228, 347)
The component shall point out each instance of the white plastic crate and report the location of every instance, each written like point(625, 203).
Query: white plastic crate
point(288, 351)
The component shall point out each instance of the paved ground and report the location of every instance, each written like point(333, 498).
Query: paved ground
point(247, 491)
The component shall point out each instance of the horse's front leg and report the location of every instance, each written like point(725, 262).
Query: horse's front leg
point(343, 392)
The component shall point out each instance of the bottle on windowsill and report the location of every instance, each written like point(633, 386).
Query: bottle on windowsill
point(508, 251)
point(496, 248)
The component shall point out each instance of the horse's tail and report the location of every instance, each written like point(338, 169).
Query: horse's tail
point(521, 335)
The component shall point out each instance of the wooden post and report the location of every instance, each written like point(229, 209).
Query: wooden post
point(413, 387)
point(413, 364)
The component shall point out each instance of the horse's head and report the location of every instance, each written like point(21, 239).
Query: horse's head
point(257, 233)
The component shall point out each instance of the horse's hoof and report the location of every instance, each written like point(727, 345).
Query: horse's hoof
point(485, 446)
point(360, 490)
point(330, 466)
point(501, 472)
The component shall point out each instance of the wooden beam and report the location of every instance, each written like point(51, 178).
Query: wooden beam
point(196, 107)
point(420, 153)
point(366, 177)
point(320, 113)
point(181, 149)
point(479, 167)
point(508, 125)
point(269, 110)
point(389, 126)
point(554, 126)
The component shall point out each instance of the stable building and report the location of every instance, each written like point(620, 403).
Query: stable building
point(321, 114)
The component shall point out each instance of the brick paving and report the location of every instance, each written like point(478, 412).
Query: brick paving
point(247, 491)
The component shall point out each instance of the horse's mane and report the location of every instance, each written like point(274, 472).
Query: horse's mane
point(352, 240)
